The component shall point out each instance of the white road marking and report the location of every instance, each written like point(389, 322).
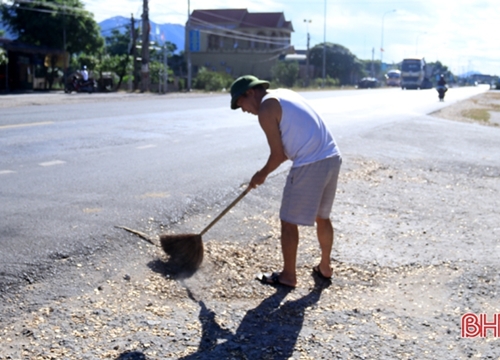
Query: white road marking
point(52, 163)
point(146, 147)
point(5, 172)
point(14, 126)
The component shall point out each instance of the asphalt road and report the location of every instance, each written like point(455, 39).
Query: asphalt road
point(71, 171)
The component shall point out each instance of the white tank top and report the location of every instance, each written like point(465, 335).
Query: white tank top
point(305, 137)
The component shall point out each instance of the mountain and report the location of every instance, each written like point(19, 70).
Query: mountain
point(159, 32)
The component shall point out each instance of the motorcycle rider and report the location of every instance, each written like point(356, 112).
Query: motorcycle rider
point(85, 74)
point(86, 84)
point(80, 82)
point(441, 87)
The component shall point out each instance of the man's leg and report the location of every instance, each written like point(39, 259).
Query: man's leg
point(324, 231)
point(289, 245)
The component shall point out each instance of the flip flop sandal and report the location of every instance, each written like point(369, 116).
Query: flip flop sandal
point(272, 279)
point(318, 272)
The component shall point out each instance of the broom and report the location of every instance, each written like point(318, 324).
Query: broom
point(186, 250)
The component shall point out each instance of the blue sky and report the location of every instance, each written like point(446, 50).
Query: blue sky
point(462, 34)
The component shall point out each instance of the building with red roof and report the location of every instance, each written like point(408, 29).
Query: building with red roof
point(237, 42)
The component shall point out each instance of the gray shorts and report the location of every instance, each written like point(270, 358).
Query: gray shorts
point(309, 192)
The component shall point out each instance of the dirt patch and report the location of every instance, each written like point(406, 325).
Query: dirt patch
point(409, 260)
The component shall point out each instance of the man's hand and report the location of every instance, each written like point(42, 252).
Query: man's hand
point(257, 179)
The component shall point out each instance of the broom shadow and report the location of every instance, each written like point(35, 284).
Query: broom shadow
point(270, 330)
point(171, 269)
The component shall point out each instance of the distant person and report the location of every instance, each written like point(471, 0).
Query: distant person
point(441, 81)
point(294, 131)
point(85, 74)
point(441, 87)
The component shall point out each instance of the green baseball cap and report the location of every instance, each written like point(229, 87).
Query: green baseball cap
point(241, 85)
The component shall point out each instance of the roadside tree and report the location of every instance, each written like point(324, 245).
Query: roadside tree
point(56, 24)
point(119, 57)
point(157, 65)
point(340, 63)
point(440, 69)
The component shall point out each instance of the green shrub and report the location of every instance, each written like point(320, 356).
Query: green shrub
point(329, 82)
point(285, 73)
point(182, 84)
point(212, 81)
point(3, 56)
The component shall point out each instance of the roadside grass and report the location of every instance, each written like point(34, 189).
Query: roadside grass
point(477, 114)
point(482, 112)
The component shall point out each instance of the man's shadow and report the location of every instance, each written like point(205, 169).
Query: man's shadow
point(270, 330)
point(132, 355)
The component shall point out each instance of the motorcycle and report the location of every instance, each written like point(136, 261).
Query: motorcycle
point(78, 85)
point(441, 89)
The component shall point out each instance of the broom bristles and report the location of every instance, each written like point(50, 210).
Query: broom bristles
point(185, 250)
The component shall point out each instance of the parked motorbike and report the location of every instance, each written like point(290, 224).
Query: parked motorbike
point(78, 85)
point(441, 89)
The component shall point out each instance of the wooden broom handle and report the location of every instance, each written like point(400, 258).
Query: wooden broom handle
point(224, 212)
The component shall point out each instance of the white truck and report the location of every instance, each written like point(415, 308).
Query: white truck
point(415, 74)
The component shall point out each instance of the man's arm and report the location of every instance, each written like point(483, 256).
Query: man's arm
point(269, 118)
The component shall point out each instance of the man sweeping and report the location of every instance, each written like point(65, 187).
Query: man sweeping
point(294, 131)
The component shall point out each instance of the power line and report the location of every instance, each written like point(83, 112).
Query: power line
point(240, 35)
point(248, 37)
point(220, 16)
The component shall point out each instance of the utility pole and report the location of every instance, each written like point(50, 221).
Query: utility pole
point(372, 73)
point(7, 71)
point(133, 52)
point(382, 41)
point(324, 49)
point(64, 48)
point(307, 53)
point(165, 68)
point(188, 50)
point(145, 48)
